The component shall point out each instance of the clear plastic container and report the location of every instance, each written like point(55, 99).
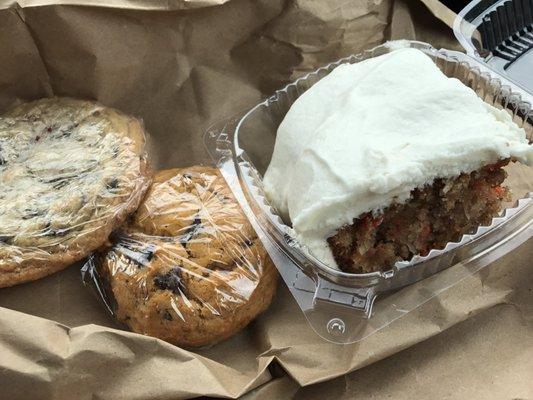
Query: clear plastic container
point(500, 34)
point(341, 307)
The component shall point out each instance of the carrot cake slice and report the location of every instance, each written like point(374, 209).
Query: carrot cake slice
point(388, 158)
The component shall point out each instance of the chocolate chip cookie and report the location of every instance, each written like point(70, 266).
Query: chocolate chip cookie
point(188, 267)
point(70, 172)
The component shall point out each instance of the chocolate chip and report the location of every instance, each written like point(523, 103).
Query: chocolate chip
point(139, 255)
point(59, 178)
point(6, 238)
point(171, 281)
point(60, 184)
point(167, 316)
point(28, 214)
point(112, 184)
point(149, 252)
point(54, 232)
point(66, 133)
point(248, 242)
point(195, 227)
point(47, 231)
point(64, 179)
point(59, 232)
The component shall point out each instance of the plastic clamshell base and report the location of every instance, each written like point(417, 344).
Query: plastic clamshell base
point(340, 306)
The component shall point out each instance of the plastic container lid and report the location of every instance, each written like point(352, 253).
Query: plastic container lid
point(500, 34)
point(342, 307)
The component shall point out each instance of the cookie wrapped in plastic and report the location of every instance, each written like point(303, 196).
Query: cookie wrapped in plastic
point(188, 267)
point(71, 171)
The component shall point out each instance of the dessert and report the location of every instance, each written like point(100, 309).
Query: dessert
point(70, 172)
point(388, 158)
point(188, 267)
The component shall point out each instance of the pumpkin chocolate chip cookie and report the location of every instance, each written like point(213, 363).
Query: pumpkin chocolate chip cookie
point(188, 267)
point(71, 171)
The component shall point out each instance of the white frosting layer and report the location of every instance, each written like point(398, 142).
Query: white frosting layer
point(368, 133)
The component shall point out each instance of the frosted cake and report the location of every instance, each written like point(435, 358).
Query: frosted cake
point(388, 158)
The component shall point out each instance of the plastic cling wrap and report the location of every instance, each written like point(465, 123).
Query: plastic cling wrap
point(188, 267)
point(70, 172)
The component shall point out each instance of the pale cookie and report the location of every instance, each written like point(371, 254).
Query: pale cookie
point(71, 171)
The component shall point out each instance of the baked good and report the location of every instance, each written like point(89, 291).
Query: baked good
point(387, 158)
point(433, 216)
point(188, 267)
point(70, 172)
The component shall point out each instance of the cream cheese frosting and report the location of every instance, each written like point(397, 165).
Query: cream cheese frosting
point(368, 133)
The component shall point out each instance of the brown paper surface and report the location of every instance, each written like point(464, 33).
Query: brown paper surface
point(440, 11)
point(181, 71)
point(488, 356)
point(152, 5)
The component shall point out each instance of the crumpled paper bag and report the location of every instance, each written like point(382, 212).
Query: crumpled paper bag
point(181, 70)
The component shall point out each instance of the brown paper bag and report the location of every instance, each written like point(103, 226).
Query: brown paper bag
point(181, 70)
